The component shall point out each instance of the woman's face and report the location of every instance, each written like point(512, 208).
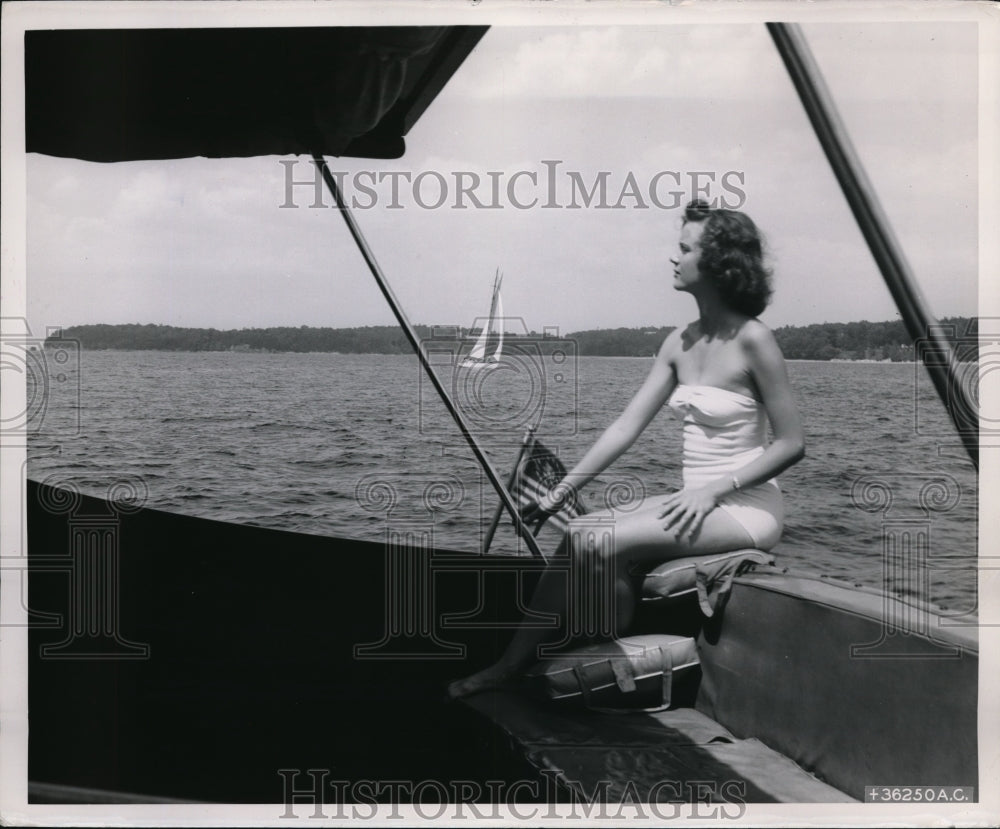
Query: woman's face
point(686, 272)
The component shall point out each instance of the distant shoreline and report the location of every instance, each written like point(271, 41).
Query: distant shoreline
point(868, 342)
point(411, 354)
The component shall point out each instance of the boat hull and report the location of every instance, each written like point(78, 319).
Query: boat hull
point(858, 689)
point(219, 654)
point(237, 651)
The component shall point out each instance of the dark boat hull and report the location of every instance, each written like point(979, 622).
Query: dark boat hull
point(250, 666)
point(177, 657)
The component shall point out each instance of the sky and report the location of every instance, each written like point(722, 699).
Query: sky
point(207, 243)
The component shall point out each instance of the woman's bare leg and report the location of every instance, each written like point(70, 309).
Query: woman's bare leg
point(639, 539)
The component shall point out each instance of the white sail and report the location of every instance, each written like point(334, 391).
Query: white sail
point(478, 351)
point(477, 355)
point(499, 321)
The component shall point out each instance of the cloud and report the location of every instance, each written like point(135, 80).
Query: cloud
point(870, 62)
point(203, 242)
point(926, 62)
point(632, 61)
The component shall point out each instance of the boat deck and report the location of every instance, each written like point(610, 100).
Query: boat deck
point(674, 756)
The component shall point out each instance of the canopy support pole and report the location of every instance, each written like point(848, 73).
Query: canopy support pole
point(529, 438)
point(920, 323)
point(418, 347)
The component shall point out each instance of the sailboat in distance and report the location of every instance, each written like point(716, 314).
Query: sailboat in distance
point(477, 356)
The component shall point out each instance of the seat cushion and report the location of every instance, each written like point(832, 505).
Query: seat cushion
point(708, 576)
point(631, 673)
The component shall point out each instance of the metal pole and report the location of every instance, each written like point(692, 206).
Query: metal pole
point(874, 224)
point(411, 335)
point(529, 438)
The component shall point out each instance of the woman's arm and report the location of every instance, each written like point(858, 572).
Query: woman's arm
point(767, 367)
point(621, 434)
point(684, 511)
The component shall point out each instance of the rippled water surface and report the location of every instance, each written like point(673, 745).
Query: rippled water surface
point(335, 444)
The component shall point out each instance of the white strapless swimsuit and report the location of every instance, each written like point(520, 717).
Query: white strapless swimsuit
point(723, 432)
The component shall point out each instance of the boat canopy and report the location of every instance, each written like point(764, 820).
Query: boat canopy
point(130, 94)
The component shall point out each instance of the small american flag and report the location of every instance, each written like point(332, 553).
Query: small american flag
point(537, 473)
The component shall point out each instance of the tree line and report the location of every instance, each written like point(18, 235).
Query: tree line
point(872, 340)
point(824, 341)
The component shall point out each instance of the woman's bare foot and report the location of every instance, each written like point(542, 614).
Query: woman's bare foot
point(488, 679)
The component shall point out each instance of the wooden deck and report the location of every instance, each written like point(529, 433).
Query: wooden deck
point(675, 756)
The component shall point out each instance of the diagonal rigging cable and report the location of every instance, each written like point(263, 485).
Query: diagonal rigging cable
point(411, 335)
point(920, 323)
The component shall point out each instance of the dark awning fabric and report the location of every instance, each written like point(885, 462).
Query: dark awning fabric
point(121, 95)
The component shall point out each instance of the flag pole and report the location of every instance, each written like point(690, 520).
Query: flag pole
point(832, 134)
point(411, 335)
point(529, 438)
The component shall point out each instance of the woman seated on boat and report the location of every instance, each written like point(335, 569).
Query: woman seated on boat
point(724, 377)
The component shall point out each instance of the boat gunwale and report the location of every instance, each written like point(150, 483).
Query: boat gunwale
point(770, 578)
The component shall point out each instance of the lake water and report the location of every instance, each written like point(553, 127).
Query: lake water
point(335, 444)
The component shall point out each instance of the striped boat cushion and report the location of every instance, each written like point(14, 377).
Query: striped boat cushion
point(631, 673)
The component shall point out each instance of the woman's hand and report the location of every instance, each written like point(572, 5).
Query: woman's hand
point(684, 511)
point(543, 509)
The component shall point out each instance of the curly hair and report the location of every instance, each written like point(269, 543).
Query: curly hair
point(732, 256)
